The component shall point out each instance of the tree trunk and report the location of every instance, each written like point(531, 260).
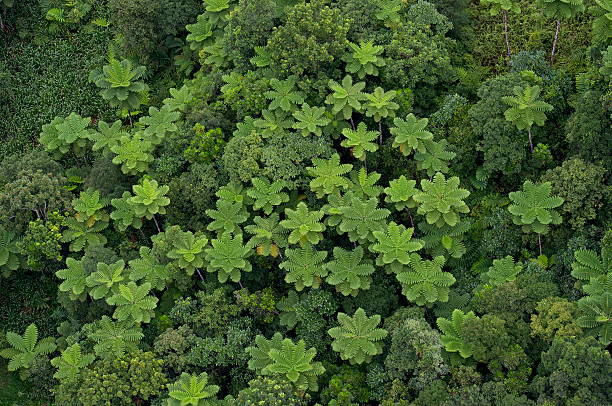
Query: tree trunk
point(505, 16)
point(554, 47)
point(540, 242)
point(380, 131)
point(530, 141)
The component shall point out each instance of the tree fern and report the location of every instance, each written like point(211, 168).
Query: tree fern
point(400, 192)
point(134, 153)
point(360, 141)
point(121, 83)
point(273, 123)
point(9, 252)
point(266, 195)
point(502, 271)
point(310, 120)
point(227, 217)
point(284, 95)
point(394, 247)
point(26, 347)
point(361, 218)
point(525, 109)
point(589, 265)
point(159, 123)
point(426, 282)
point(67, 134)
point(105, 281)
point(114, 338)
point(452, 332)
point(74, 279)
point(380, 104)
point(363, 184)
point(445, 240)
point(268, 236)
point(191, 390)
point(357, 339)
point(435, 158)
point(410, 134)
point(89, 207)
point(147, 268)
point(533, 207)
point(304, 225)
point(328, 175)
point(132, 302)
point(80, 236)
point(124, 215)
point(441, 200)
point(228, 256)
point(149, 198)
point(188, 251)
point(365, 59)
point(346, 97)
point(349, 271)
point(70, 363)
point(304, 267)
point(596, 315)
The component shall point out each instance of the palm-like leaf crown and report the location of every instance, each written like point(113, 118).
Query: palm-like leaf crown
point(149, 198)
point(533, 207)
point(268, 236)
point(305, 226)
point(266, 195)
point(394, 247)
point(361, 218)
point(188, 251)
point(105, 281)
point(74, 279)
point(134, 153)
point(441, 200)
point(364, 185)
point(284, 96)
point(133, 303)
point(349, 271)
point(114, 338)
point(121, 83)
point(123, 214)
point(310, 120)
point(498, 5)
point(159, 123)
point(346, 97)
point(70, 363)
point(294, 363)
point(380, 104)
point(596, 312)
point(227, 216)
point(80, 235)
point(25, 348)
point(561, 8)
point(360, 141)
point(89, 207)
point(435, 158)
point(426, 282)
point(445, 240)
point(66, 134)
point(502, 271)
point(357, 339)
point(191, 390)
point(228, 256)
point(148, 268)
point(589, 265)
point(328, 175)
point(525, 108)
point(410, 134)
point(452, 332)
point(400, 192)
point(364, 59)
point(304, 266)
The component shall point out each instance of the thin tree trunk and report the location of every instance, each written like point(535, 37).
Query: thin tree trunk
point(505, 16)
point(156, 224)
point(554, 47)
point(200, 274)
point(540, 242)
point(380, 131)
point(530, 141)
point(352, 123)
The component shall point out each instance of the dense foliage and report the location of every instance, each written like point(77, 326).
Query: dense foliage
point(305, 202)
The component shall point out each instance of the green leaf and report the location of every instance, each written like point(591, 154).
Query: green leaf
point(357, 339)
